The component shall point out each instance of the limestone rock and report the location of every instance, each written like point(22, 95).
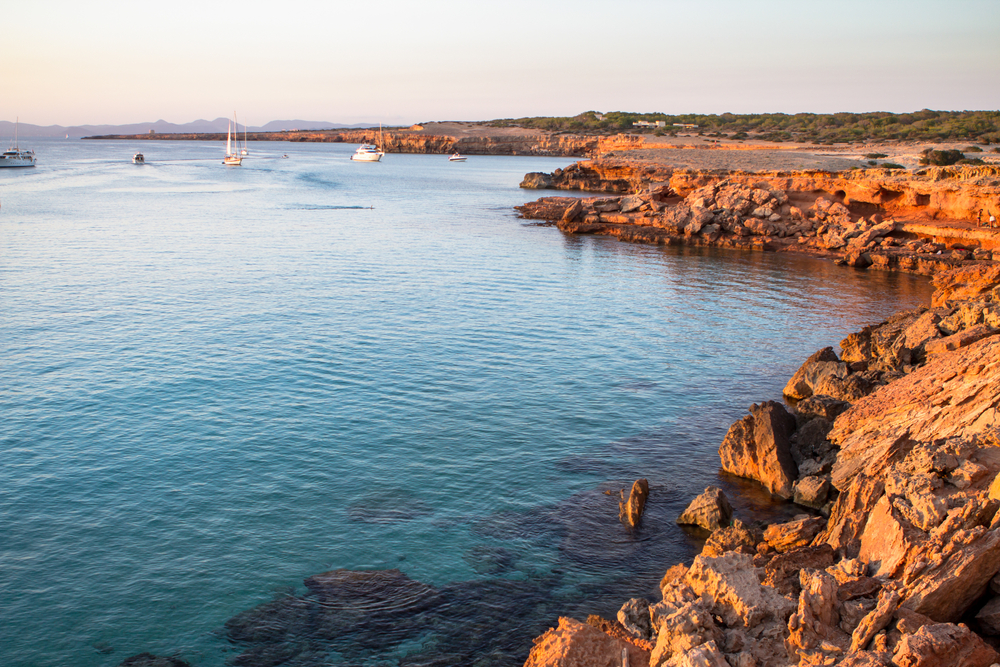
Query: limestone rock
point(673, 575)
point(793, 534)
point(811, 491)
point(737, 537)
point(944, 645)
point(705, 655)
point(630, 510)
point(690, 626)
point(710, 510)
point(967, 563)
point(816, 367)
point(576, 644)
point(989, 617)
point(853, 611)
point(909, 621)
point(536, 181)
point(758, 447)
point(813, 627)
point(960, 339)
point(728, 587)
point(819, 405)
point(877, 619)
point(573, 212)
point(634, 617)
point(782, 571)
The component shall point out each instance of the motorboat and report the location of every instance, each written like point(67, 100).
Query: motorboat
point(14, 156)
point(138, 158)
point(370, 152)
point(233, 157)
point(367, 153)
point(457, 158)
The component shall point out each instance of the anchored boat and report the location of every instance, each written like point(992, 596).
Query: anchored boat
point(14, 156)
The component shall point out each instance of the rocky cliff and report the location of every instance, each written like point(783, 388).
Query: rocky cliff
point(935, 193)
point(896, 441)
point(809, 213)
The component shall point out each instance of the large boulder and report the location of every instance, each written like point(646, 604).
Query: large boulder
point(815, 369)
point(729, 588)
point(710, 510)
point(576, 644)
point(795, 534)
point(944, 645)
point(759, 447)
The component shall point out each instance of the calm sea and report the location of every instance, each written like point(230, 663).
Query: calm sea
point(216, 382)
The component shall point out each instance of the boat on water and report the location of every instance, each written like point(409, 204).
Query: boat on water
point(14, 156)
point(138, 158)
point(369, 152)
point(233, 157)
point(456, 157)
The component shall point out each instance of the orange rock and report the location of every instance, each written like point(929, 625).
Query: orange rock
point(576, 644)
point(944, 645)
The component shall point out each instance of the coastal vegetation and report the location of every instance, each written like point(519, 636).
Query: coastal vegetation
point(977, 126)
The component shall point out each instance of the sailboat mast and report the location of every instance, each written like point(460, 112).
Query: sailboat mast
point(229, 137)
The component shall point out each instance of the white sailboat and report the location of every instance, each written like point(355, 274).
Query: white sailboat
point(370, 152)
point(14, 156)
point(233, 158)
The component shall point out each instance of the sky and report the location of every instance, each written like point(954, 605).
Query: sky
point(400, 62)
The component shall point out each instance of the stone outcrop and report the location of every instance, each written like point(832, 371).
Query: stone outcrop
point(710, 510)
point(758, 447)
point(630, 509)
point(576, 644)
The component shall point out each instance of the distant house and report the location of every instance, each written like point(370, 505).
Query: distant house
point(686, 126)
point(599, 116)
point(646, 123)
point(152, 131)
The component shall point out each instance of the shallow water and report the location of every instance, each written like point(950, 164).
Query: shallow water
point(216, 382)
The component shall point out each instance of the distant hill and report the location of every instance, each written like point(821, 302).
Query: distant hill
point(160, 127)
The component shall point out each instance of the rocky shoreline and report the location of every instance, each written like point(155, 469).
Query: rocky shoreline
point(892, 446)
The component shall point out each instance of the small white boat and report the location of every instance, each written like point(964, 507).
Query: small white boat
point(14, 156)
point(233, 157)
point(457, 158)
point(138, 158)
point(369, 152)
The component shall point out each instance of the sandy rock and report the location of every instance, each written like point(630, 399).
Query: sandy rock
point(782, 571)
point(989, 617)
point(967, 474)
point(960, 575)
point(758, 447)
point(729, 587)
point(573, 212)
point(848, 569)
point(867, 659)
point(816, 367)
point(819, 405)
point(813, 627)
point(944, 645)
point(909, 621)
point(967, 283)
point(876, 620)
point(674, 575)
point(959, 340)
point(737, 537)
point(634, 617)
point(811, 491)
point(810, 441)
point(576, 644)
point(630, 510)
point(853, 611)
point(687, 628)
point(536, 181)
point(793, 534)
point(705, 655)
point(849, 515)
point(710, 510)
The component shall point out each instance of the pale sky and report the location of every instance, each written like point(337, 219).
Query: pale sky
point(114, 61)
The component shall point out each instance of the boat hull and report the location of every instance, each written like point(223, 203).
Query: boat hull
point(232, 160)
point(366, 157)
point(20, 161)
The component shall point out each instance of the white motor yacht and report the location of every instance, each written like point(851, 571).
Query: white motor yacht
point(457, 158)
point(367, 153)
point(15, 157)
point(138, 158)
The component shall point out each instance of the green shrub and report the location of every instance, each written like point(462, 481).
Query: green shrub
point(892, 165)
point(938, 158)
point(875, 156)
point(972, 149)
point(974, 160)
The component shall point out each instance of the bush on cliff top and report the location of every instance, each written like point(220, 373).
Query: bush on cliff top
point(926, 125)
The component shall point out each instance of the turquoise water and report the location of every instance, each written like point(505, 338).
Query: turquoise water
point(216, 382)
